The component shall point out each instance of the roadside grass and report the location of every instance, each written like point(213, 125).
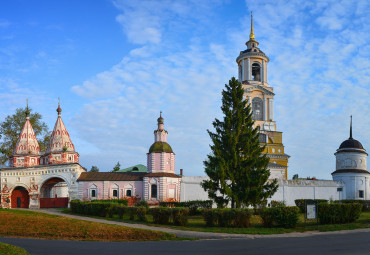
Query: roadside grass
point(30, 224)
point(8, 249)
point(196, 223)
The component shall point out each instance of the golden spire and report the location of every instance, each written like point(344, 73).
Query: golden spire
point(251, 36)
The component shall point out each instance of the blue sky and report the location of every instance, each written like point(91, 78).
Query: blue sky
point(116, 64)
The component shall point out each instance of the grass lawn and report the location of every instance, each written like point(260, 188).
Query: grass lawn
point(23, 223)
point(196, 223)
point(7, 249)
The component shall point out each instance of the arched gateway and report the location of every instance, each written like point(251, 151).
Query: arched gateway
point(35, 180)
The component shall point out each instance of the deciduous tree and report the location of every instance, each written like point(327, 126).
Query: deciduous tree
point(12, 126)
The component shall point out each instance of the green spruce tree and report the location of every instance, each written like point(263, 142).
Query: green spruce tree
point(117, 167)
point(236, 167)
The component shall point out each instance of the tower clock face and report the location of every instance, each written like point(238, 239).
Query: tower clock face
point(266, 126)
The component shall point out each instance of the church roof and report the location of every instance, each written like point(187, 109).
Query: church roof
point(27, 142)
point(109, 176)
point(160, 147)
point(351, 143)
point(59, 139)
point(136, 168)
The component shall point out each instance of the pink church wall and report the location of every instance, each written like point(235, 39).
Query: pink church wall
point(104, 189)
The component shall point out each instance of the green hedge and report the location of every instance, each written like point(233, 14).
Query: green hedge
point(365, 203)
point(300, 203)
point(339, 213)
point(101, 209)
point(118, 201)
point(193, 205)
point(227, 217)
point(281, 216)
point(180, 216)
point(161, 215)
point(139, 212)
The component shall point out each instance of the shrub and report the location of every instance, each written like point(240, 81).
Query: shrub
point(365, 203)
point(268, 217)
point(283, 216)
point(180, 216)
point(300, 203)
point(141, 213)
point(286, 217)
point(121, 211)
point(209, 217)
point(161, 215)
point(132, 212)
point(225, 217)
point(193, 205)
point(339, 213)
point(242, 217)
point(142, 204)
point(118, 201)
point(275, 203)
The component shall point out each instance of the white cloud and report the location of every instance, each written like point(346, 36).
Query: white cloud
point(319, 68)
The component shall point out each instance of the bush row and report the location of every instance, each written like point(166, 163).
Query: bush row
point(365, 203)
point(339, 213)
point(280, 216)
point(227, 217)
point(192, 205)
point(161, 215)
point(300, 203)
point(118, 201)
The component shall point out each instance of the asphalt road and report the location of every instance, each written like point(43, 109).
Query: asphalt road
point(349, 243)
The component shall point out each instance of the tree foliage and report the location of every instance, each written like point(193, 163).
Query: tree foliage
point(12, 126)
point(94, 169)
point(117, 167)
point(236, 167)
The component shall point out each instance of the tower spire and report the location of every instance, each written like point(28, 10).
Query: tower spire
point(350, 130)
point(251, 36)
point(27, 112)
point(59, 110)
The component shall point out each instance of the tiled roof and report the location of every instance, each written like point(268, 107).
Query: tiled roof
point(162, 175)
point(109, 176)
point(127, 176)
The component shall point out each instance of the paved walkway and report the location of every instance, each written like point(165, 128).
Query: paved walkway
point(197, 234)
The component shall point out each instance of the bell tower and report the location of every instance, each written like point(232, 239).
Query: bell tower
point(252, 64)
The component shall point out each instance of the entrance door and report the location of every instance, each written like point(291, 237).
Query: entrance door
point(20, 198)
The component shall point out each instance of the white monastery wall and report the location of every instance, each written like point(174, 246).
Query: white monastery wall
point(191, 189)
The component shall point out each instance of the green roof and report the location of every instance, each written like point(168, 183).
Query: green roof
point(136, 169)
point(160, 147)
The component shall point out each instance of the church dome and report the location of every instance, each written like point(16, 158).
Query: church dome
point(351, 144)
point(160, 147)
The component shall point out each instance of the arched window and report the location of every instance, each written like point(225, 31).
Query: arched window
point(153, 191)
point(257, 108)
point(256, 72)
point(262, 138)
point(240, 73)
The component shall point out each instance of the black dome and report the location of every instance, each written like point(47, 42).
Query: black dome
point(351, 143)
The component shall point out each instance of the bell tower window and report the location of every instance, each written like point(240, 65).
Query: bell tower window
point(256, 72)
point(257, 108)
point(240, 73)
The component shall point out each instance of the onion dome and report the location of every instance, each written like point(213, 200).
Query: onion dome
point(160, 120)
point(160, 147)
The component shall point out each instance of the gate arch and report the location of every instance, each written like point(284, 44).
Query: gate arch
point(54, 192)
